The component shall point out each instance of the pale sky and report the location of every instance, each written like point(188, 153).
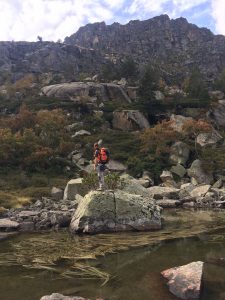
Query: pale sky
point(56, 19)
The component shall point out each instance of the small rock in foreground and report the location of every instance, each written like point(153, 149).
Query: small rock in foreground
point(185, 281)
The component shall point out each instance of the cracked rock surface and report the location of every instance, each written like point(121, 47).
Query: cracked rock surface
point(110, 211)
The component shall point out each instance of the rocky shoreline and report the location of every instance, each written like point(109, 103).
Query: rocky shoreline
point(134, 207)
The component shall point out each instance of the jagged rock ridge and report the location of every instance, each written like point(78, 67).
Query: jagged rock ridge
point(175, 45)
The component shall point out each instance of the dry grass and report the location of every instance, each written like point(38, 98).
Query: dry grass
point(13, 199)
point(18, 189)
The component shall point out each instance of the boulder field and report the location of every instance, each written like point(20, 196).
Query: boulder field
point(132, 207)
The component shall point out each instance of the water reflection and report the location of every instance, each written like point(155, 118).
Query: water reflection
point(34, 265)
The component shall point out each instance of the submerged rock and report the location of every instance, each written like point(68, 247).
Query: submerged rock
point(6, 235)
point(185, 281)
point(56, 296)
point(168, 203)
point(115, 211)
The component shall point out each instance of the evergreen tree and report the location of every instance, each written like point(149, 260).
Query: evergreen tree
point(196, 87)
point(128, 68)
point(148, 83)
point(109, 71)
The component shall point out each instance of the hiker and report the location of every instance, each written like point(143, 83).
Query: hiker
point(101, 158)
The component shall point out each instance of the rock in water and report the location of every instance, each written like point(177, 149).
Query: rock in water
point(185, 281)
point(56, 296)
point(115, 211)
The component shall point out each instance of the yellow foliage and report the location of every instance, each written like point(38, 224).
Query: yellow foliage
point(158, 138)
point(55, 117)
point(193, 127)
point(24, 83)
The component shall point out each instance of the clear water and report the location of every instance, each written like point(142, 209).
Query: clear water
point(115, 266)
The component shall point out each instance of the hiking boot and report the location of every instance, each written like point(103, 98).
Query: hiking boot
point(100, 189)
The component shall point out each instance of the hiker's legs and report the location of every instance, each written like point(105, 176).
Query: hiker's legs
point(100, 176)
point(101, 179)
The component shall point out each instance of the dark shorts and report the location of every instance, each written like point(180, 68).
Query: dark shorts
point(101, 167)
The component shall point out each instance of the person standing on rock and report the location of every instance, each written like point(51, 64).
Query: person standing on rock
point(101, 158)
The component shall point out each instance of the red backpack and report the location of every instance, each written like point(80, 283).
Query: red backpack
point(103, 155)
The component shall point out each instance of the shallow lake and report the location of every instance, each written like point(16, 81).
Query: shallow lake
point(123, 266)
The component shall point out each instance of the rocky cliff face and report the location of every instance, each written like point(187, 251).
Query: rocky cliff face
point(175, 45)
point(19, 58)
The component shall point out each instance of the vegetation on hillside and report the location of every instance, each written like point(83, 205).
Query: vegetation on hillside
point(34, 139)
point(31, 141)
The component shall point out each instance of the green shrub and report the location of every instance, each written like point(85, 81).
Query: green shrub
point(90, 181)
point(135, 166)
point(195, 85)
point(113, 181)
point(39, 180)
point(128, 69)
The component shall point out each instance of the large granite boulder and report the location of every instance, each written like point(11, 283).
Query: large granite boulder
point(179, 153)
point(129, 120)
point(197, 172)
point(115, 211)
point(86, 91)
point(185, 281)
